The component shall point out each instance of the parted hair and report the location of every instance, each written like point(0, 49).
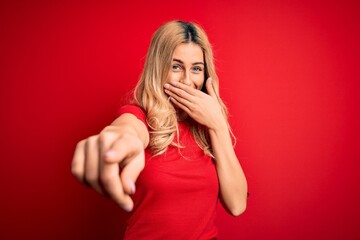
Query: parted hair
point(149, 92)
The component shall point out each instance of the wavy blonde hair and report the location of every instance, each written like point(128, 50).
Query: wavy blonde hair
point(149, 92)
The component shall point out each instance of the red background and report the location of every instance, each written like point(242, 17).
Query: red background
point(289, 73)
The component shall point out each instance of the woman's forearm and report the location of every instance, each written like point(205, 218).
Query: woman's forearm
point(233, 184)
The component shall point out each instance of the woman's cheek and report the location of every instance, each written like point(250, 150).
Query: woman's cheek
point(200, 83)
point(175, 78)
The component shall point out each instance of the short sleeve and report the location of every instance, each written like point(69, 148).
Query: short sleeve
point(135, 110)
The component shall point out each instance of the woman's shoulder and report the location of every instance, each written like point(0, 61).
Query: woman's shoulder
point(133, 109)
point(130, 108)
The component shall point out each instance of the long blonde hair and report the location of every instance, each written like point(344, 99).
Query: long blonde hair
point(149, 92)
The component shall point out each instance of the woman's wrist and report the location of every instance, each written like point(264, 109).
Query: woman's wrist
point(219, 126)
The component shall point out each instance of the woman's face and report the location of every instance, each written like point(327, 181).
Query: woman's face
point(188, 65)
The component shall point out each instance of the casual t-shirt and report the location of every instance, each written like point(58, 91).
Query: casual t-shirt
point(176, 193)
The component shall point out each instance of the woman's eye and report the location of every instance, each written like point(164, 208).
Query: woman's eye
point(176, 67)
point(197, 69)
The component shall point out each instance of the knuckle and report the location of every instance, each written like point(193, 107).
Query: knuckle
point(92, 138)
point(76, 170)
point(105, 136)
point(81, 143)
point(90, 142)
point(102, 137)
point(107, 129)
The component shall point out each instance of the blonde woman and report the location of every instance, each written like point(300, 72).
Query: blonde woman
point(168, 158)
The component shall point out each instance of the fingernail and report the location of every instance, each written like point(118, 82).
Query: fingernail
point(110, 154)
point(166, 85)
point(127, 208)
point(173, 83)
point(132, 187)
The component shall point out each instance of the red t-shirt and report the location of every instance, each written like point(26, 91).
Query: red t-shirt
point(176, 194)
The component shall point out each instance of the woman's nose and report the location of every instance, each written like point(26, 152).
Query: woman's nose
point(186, 79)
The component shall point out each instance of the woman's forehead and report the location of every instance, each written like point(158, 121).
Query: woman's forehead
point(188, 52)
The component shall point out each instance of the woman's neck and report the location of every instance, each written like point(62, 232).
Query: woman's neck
point(181, 115)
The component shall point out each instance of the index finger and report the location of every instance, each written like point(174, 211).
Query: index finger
point(109, 174)
point(131, 172)
point(128, 151)
point(111, 181)
point(186, 88)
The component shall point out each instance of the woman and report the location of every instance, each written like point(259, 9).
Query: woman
point(180, 121)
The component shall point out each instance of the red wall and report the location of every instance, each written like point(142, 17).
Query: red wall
point(289, 73)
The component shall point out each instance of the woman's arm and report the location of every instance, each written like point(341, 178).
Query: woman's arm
point(206, 110)
point(96, 159)
point(233, 184)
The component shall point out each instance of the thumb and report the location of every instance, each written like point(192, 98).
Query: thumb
point(210, 87)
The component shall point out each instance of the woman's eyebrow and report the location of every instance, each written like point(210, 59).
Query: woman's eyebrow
point(195, 63)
